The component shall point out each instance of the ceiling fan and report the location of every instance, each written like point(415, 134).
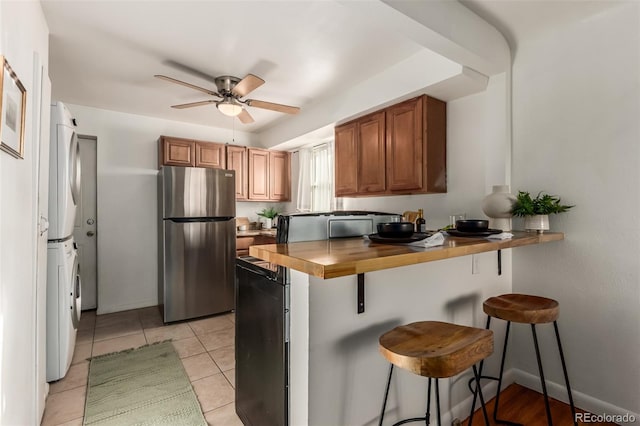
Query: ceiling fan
point(230, 90)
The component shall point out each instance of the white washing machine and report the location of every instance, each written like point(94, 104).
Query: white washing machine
point(64, 173)
point(63, 306)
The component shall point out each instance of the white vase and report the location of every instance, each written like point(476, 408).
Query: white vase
point(267, 223)
point(497, 206)
point(539, 223)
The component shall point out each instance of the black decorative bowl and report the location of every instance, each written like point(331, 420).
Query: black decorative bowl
point(472, 225)
point(396, 229)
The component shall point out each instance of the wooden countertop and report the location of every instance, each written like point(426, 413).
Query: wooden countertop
point(342, 257)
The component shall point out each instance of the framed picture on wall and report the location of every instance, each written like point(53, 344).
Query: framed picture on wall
point(13, 106)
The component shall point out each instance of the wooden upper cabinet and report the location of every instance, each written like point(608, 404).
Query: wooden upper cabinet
point(176, 152)
point(279, 176)
point(269, 175)
point(237, 160)
point(398, 150)
point(346, 152)
point(405, 151)
point(371, 154)
point(258, 174)
point(211, 155)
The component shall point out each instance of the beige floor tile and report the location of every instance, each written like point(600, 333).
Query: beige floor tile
point(188, 347)
point(168, 332)
point(231, 376)
point(218, 339)
point(82, 352)
point(225, 358)
point(117, 318)
point(87, 322)
point(84, 336)
point(75, 377)
point(231, 316)
point(151, 317)
point(74, 422)
point(117, 329)
point(223, 416)
point(118, 344)
point(199, 366)
point(213, 392)
point(211, 324)
point(64, 406)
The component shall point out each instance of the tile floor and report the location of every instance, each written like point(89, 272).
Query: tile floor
point(206, 347)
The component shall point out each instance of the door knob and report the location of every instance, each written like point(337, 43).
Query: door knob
point(90, 233)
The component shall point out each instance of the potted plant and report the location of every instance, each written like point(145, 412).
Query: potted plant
point(536, 210)
point(269, 214)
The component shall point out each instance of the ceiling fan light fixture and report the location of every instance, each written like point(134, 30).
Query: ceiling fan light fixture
point(229, 107)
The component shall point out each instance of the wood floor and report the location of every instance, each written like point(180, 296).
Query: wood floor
point(522, 405)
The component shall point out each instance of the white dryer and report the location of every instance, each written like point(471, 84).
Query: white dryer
point(64, 173)
point(63, 307)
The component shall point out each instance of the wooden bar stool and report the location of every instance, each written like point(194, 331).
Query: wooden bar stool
point(526, 309)
point(435, 350)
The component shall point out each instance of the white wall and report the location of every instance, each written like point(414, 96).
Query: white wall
point(576, 100)
point(127, 201)
point(24, 32)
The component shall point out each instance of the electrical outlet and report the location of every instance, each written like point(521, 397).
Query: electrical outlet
point(475, 264)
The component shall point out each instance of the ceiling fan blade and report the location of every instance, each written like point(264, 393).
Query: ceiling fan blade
point(193, 104)
point(273, 107)
point(245, 117)
point(247, 85)
point(183, 83)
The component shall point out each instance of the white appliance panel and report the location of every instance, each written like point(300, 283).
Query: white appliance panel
point(64, 173)
point(63, 303)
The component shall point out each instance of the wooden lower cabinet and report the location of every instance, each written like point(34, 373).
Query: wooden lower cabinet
point(243, 243)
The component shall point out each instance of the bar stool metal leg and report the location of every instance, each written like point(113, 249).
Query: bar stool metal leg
point(386, 394)
point(428, 415)
point(542, 381)
point(438, 402)
point(566, 375)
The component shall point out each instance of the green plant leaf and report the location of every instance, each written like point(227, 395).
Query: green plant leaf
point(542, 204)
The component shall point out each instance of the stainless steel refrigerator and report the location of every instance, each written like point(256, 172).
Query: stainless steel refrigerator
point(197, 242)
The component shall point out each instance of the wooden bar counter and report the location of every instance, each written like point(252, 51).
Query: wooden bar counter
point(351, 256)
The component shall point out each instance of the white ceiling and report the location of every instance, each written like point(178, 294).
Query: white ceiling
point(104, 53)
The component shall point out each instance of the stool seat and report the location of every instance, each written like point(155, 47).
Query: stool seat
point(436, 349)
point(522, 308)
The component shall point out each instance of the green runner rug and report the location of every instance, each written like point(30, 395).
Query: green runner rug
point(145, 386)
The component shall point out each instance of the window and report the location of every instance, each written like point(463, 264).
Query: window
point(316, 187)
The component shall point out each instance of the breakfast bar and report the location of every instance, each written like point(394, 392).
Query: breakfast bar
point(336, 374)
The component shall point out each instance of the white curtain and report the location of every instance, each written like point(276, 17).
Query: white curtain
point(316, 186)
point(303, 203)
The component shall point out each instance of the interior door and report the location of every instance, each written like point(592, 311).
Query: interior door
point(86, 223)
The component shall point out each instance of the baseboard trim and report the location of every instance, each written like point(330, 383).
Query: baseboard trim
point(126, 307)
point(581, 400)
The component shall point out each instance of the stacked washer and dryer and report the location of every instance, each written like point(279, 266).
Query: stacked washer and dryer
point(63, 271)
